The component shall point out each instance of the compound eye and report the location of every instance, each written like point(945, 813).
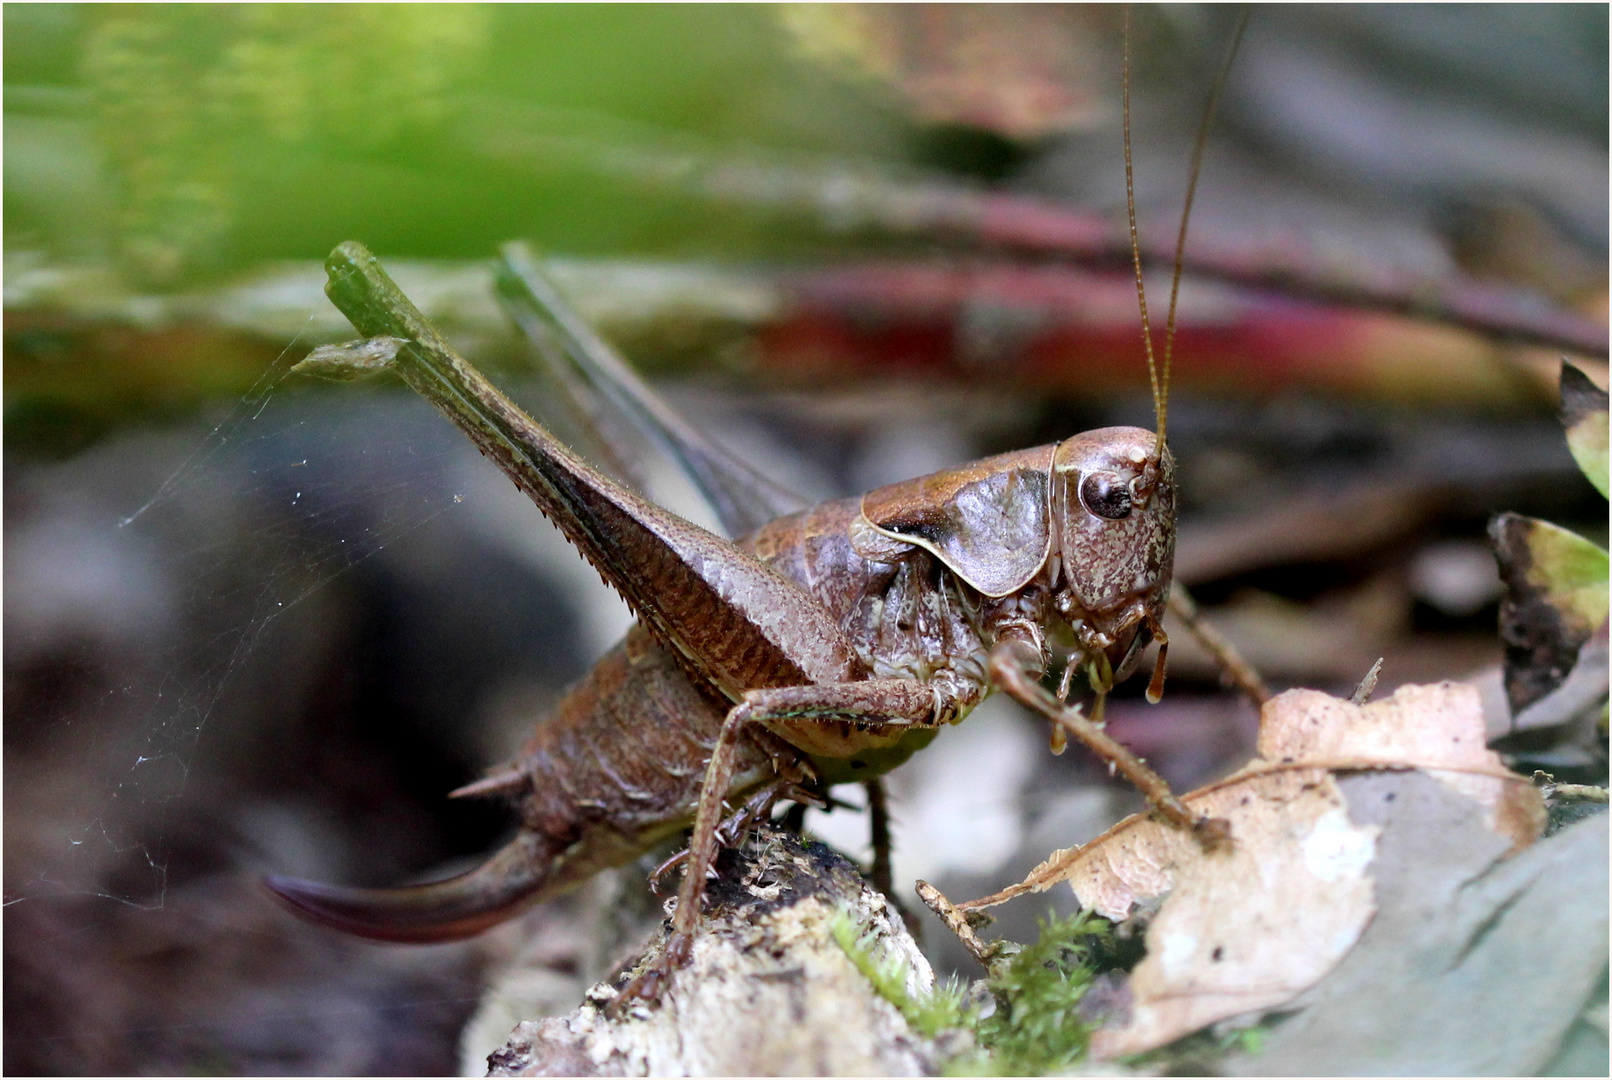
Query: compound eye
point(1106, 495)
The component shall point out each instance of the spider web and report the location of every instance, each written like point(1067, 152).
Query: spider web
point(209, 629)
point(138, 637)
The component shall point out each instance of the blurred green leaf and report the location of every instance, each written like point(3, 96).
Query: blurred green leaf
point(1571, 571)
point(1584, 414)
point(178, 89)
point(219, 135)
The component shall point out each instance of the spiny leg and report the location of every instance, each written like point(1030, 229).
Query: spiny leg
point(888, 703)
point(1014, 671)
point(701, 853)
point(882, 873)
point(1231, 662)
point(879, 835)
point(737, 825)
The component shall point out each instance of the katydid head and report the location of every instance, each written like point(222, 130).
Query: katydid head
point(1089, 523)
point(1113, 521)
point(1148, 492)
point(1091, 520)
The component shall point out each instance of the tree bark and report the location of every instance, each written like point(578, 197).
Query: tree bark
point(769, 989)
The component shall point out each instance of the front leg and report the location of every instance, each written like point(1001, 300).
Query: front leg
point(884, 706)
point(1015, 669)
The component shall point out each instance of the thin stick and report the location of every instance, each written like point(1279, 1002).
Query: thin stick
point(957, 923)
point(1368, 684)
point(879, 819)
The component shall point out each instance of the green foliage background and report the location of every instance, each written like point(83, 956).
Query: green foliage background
point(189, 140)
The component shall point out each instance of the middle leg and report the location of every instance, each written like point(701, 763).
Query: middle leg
point(881, 709)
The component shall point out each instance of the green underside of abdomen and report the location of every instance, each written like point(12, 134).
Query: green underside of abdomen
point(867, 764)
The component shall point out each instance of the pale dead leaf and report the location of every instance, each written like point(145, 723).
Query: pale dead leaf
point(1248, 929)
point(1437, 728)
point(1252, 928)
point(1473, 965)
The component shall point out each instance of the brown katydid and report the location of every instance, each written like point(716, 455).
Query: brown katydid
point(824, 645)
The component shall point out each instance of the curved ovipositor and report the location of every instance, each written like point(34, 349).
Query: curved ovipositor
point(611, 773)
point(458, 907)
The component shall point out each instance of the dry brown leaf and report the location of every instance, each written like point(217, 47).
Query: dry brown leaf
point(1252, 928)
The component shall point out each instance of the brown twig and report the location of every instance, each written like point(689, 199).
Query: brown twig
point(957, 922)
point(850, 198)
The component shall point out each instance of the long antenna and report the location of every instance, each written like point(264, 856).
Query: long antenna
point(1163, 402)
point(1136, 247)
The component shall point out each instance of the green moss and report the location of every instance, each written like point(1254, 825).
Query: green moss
point(929, 1013)
point(1037, 1026)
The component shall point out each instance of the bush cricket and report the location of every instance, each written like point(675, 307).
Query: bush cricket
point(823, 645)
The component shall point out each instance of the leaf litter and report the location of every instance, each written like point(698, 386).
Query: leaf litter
point(1553, 614)
point(1237, 934)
